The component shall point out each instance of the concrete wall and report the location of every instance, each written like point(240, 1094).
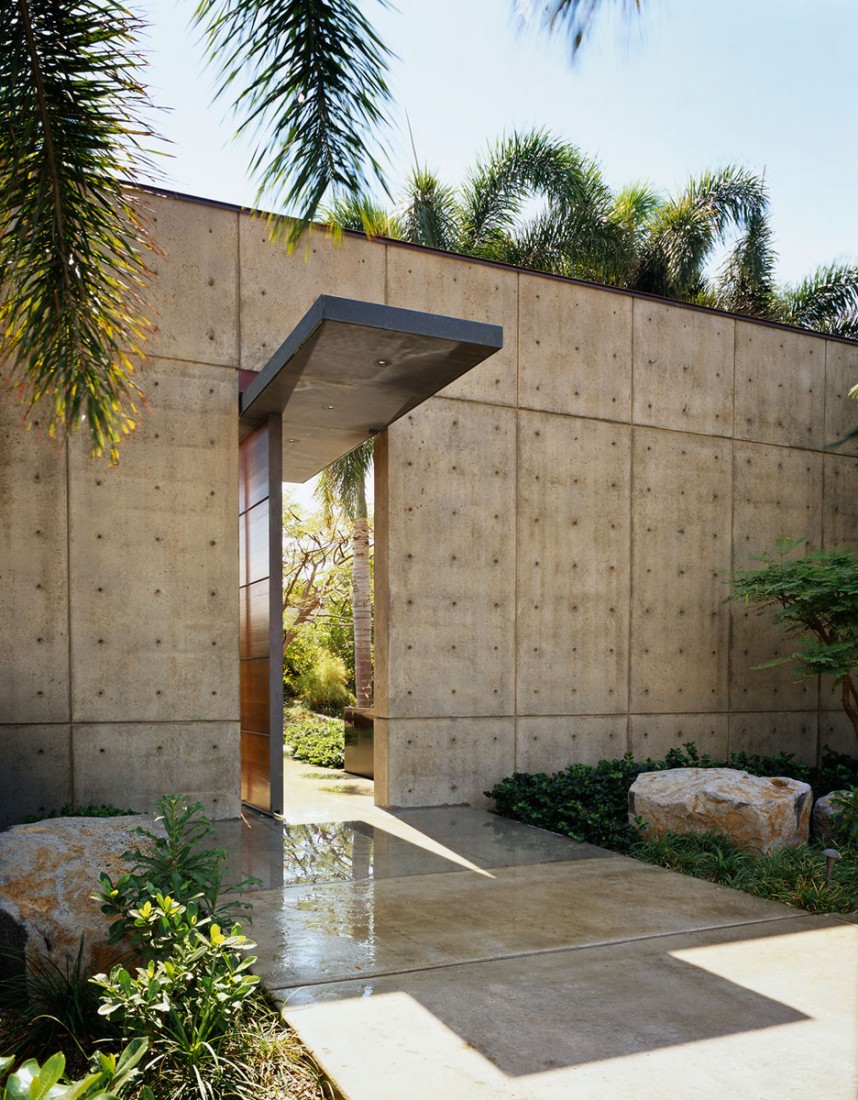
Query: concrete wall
point(118, 621)
point(553, 533)
point(119, 587)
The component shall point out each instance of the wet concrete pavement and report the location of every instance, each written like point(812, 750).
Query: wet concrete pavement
point(449, 953)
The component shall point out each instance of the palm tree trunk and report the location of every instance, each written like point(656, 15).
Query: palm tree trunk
point(362, 603)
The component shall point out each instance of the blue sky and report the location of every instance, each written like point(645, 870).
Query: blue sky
point(769, 84)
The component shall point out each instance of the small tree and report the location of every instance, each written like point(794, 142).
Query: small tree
point(816, 597)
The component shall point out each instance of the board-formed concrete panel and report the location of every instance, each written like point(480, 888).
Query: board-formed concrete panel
point(575, 349)
point(36, 776)
point(33, 576)
point(197, 759)
point(450, 562)
point(769, 733)
point(680, 561)
point(154, 553)
point(420, 279)
point(278, 287)
point(549, 744)
point(573, 565)
point(841, 410)
point(443, 761)
point(840, 505)
point(194, 287)
point(651, 735)
point(836, 732)
point(683, 368)
point(780, 386)
point(777, 493)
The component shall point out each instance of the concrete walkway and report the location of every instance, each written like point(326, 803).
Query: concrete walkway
point(451, 954)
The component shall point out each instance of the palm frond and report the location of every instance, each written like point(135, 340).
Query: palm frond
point(746, 281)
point(575, 17)
point(826, 301)
point(308, 81)
point(635, 205)
point(684, 231)
point(522, 165)
point(361, 214)
point(71, 236)
point(429, 213)
point(342, 485)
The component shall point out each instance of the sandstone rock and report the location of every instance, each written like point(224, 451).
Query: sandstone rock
point(822, 819)
point(760, 813)
point(47, 872)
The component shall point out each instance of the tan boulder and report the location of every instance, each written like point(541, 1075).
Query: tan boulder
point(765, 814)
point(825, 816)
point(48, 871)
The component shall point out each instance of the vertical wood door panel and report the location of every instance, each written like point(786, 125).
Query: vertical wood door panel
point(261, 620)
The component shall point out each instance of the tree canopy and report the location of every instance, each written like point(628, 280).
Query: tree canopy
point(536, 201)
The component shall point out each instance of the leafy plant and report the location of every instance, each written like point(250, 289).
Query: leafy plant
point(315, 738)
point(176, 864)
point(816, 601)
point(189, 995)
point(588, 802)
point(33, 1081)
point(323, 686)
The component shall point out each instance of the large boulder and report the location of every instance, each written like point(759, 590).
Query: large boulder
point(48, 871)
point(765, 814)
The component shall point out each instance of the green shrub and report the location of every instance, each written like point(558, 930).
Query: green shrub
point(317, 739)
point(589, 802)
point(109, 1079)
point(67, 810)
point(323, 686)
point(172, 864)
point(301, 655)
point(189, 996)
point(845, 824)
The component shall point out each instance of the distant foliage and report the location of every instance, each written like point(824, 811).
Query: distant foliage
point(68, 810)
point(315, 738)
point(323, 686)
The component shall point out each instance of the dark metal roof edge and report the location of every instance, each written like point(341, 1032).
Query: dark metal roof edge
point(299, 335)
point(642, 295)
point(351, 311)
point(441, 326)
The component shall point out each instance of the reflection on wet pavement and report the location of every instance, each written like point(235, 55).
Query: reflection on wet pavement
point(426, 842)
point(348, 851)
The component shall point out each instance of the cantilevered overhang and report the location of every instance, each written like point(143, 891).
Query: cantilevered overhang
point(350, 368)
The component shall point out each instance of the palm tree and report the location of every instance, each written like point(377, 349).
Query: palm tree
point(682, 233)
point(72, 238)
point(576, 232)
point(342, 486)
point(826, 301)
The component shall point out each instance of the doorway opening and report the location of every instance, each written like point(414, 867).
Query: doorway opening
point(347, 371)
